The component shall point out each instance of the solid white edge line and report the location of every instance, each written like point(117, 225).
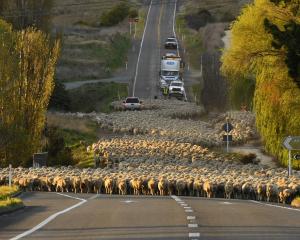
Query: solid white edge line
point(139, 56)
point(271, 205)
point(174, 19)
point(50, 218)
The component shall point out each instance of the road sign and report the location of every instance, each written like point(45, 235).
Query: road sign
point(227, 138)
point(136, 20)
point(297, 156)
point(227, 127)
point(40, 159)
point(292, 143)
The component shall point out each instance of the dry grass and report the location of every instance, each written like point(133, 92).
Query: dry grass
point(296, 202)
point(69, 123)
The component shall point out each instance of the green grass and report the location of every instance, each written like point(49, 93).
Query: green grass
point(6, 202)
point(96, 97)
point(6, 191)
point(296, 202)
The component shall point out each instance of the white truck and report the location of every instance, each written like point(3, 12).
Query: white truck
point(170, 70)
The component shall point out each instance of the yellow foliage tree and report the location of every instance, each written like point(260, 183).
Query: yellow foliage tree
point(252, 53)
point(27, 66)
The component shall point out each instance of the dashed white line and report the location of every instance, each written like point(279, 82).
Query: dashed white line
point(192, 225)
point(52, 217)
point(194, 235)
point(190, 217)
point(187, 207)
point(188, 210)
point(141, 46)
point(183, 204)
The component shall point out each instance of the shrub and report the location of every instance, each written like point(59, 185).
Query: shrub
point(117, 14)
point(249, 158)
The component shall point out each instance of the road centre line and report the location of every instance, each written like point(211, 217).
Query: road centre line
point(194, 235)
point(140, 51)
point(190, 217)
point(192, 225)
point(50, 218)
point(271, 205)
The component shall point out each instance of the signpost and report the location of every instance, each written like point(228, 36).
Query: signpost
point(40, 159)
point(227, 127)
point(292, 143)
point(9, 176)
point(135, 21)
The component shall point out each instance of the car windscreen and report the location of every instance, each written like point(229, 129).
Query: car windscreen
point(169, 73)
point(171, 40)
point(132, 100)
point(176, 84)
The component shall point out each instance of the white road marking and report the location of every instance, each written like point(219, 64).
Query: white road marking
point(94, 197)
point(129, 201)
point(188, 210)
point(192, 225)
point(194, 235)
point(271, 205)
point(140, 51)
point(184, 204)
point(190, 217)
point(174, 19)
point(52, 217)
point(226, 203)
point(187, 207)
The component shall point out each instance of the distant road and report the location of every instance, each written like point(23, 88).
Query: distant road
point(147, 217)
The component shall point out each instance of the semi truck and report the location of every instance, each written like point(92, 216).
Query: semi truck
point(171, 69)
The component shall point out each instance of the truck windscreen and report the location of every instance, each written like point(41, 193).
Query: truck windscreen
point(170, 73)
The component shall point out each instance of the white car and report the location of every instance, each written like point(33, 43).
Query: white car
point(132, 103)
point(176, 88)
point(171, 43)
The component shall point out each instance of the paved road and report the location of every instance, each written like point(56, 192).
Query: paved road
point(147, 217)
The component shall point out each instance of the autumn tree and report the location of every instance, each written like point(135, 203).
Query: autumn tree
point(265, 47)
point(27, 66)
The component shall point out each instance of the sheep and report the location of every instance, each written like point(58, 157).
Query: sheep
point(122, 186)
point(228, 189)
point(152, 186)
point(272, 192)
point(208, 188)
point(285, 195)
point(162, 186)
point(261, 191)
point(109, 185)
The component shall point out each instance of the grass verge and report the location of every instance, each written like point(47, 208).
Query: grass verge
point(296, 202)
point(96, 97)
point(7, 203)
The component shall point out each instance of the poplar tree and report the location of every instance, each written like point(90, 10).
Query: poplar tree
point(27, 67)
point(263, 37)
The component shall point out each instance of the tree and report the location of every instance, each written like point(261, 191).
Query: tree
point(262, 38)
point(27, 13)
point(27, 66)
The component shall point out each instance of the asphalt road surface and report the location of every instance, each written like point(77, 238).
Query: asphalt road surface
point(147, 217)
point(159, 27)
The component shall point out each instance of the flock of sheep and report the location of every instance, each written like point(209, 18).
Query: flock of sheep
point(164, 150)
point(203, 178)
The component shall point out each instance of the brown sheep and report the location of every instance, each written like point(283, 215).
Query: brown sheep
point(163, 186)
point(152, 186)
point(208, 189)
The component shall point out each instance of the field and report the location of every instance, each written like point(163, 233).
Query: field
point(89, 51)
